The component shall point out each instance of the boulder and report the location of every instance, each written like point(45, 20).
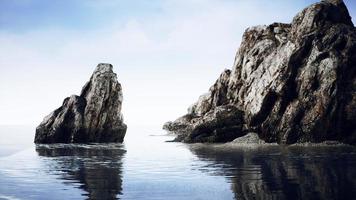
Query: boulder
point(293, 82)
point(248, 139)
point(93, 117)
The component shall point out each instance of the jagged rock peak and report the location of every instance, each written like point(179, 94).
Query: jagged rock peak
point(104, 67)
point(289, 83)
point(335, 2)
point(94, 116)
point(334, 11)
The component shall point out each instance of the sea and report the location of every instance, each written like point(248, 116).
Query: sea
point(148, 166)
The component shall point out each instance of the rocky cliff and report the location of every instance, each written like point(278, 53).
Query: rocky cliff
point(289, 83)
point(94, 116)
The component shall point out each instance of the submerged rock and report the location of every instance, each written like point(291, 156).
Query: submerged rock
point(292, 82)
point(94, 116)
point(249, 138)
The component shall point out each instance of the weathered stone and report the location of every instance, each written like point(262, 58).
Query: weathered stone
point(293, 82)
point(94, 116)
point(222, 124)
point(249, 138)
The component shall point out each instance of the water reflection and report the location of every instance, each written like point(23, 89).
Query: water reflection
point(283, 173)
point(96, 169)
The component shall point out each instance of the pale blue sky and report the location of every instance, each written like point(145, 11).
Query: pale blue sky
point(26, 15)
point(23, 15)
point(166, 52)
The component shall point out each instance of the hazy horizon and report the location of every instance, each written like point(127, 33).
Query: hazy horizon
point(165, 53)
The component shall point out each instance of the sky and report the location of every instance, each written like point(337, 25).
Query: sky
point(166, 52)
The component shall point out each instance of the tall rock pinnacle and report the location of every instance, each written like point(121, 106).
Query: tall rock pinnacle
point(94, 116)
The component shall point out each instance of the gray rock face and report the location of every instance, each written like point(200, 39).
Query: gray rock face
point(94, 116)
point(292, 82)
point(249, 138)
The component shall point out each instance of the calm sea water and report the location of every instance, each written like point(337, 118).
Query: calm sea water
point(147, 167)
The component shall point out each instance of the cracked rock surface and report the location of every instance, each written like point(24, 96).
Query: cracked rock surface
point(289, 83)
point(93, 117)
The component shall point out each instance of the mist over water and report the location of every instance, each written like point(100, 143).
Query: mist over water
point(147, 167)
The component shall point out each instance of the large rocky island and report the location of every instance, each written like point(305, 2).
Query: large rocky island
point(93, 117)
point(290, 83)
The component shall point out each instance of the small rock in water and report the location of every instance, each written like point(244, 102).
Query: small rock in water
point(250, 138)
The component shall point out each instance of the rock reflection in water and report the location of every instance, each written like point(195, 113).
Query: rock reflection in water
point(283, 172)
point(96, 168)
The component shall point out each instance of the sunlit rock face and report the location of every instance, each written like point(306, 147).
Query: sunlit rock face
point(291, 82)
point(94, 116)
